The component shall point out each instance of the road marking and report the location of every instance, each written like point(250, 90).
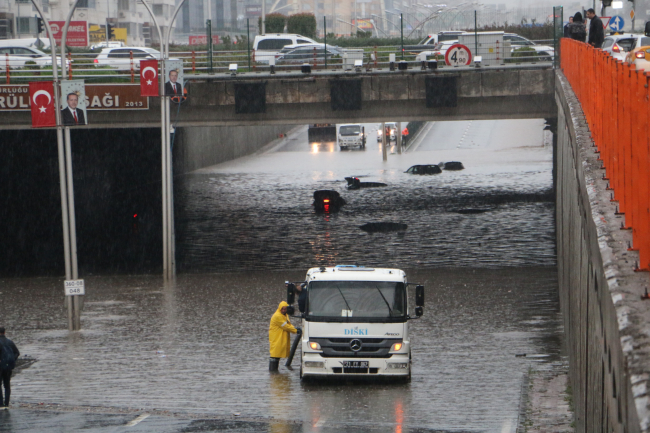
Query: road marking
point(138, 420)
point(320, 422)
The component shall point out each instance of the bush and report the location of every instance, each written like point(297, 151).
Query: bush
point(524, 54)
point(302, 24)
point(274, 23)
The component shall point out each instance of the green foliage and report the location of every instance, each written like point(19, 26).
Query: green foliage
point(274, 23)
point(348, 42)
point(363, 34)
point(302, 24)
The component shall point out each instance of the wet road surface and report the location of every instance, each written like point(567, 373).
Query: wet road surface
point(198, 346)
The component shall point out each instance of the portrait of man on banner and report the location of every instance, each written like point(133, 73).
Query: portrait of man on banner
point(73, 103)
point(174, 78)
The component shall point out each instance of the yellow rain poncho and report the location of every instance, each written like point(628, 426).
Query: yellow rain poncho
point(279, 329)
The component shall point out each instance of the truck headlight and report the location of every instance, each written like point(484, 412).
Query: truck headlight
point(314, 346)
point(397, 365)
point(396, 347)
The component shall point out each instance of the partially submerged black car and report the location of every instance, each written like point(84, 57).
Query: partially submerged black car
point(424, 169)
point(327, 200)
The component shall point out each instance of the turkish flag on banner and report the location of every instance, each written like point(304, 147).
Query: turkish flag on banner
point(41, 96)
point(149, 78)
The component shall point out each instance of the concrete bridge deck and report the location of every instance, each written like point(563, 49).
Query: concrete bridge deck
point(507, 92)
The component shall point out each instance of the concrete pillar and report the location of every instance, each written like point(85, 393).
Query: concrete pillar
point(399, 138)
point(384, 153)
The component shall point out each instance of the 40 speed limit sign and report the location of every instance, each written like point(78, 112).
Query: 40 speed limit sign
point(458, 55)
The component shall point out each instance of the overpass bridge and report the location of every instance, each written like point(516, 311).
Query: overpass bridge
point(507, 92)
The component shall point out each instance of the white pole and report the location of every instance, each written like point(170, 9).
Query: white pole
point(71, 212)
point(384, 154)
point(399, 138)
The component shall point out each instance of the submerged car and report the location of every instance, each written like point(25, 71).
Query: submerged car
point(327, 200)
point(424, 169)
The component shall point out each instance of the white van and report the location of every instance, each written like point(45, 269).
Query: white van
point(267, 46)
point(356, 322)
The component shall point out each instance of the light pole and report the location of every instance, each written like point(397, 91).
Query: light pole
point(383, 19)
point(352, 26)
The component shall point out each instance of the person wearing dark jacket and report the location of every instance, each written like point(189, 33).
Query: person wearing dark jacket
point(566, 28)
point(576, 29)
point(596, 30)
point(8, 355)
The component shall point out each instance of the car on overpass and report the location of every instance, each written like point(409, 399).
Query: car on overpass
point(639, 57)
point(17, 56)
point(305, 53)
point(619, 45)
point(120, 57)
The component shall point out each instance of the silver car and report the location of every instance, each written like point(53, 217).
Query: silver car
point(120, 58)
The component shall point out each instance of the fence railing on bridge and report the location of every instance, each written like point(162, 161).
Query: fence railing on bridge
point(615, 98)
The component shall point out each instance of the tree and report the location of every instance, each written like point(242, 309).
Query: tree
point(302, 24)
point(274, 23)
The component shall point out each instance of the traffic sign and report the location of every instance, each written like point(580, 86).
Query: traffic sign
point(605, 21)
point(616, 23)
point(458, 55)
point(632, 14)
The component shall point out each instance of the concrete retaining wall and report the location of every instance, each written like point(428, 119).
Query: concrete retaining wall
point(200, 146)
point(606, 322)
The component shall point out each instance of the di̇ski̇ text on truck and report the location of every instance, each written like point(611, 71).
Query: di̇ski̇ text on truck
point(355, 322)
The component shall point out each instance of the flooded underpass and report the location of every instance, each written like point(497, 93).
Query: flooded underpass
point(481, 240)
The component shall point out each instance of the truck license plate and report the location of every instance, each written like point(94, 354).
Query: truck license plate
point(355, 364)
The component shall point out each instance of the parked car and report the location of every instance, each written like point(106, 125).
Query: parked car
point(432, 40)
point(305, 53)
point(120, 58)
point(619, 45)
point(640, 57)
point(19, 55)
point(267, 46)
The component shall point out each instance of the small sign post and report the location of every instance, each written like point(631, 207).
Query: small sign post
point(74, 287)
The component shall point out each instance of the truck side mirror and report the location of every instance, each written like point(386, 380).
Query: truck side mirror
point(419, 311)
point(291, 292)
point(647, 28)
point(419, 296)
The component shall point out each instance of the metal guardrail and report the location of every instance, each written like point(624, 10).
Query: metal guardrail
point(82, 65)
point(616, 101)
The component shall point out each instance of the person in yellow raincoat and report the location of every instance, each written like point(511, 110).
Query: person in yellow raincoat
point(279, 339)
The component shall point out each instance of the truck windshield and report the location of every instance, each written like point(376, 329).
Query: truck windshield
point(355, 301)
point(350, 130)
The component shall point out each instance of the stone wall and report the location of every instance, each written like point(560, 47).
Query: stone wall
point(202, 146)
point(605, 319)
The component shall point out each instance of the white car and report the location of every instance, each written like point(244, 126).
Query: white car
point(619, 45)
point(543, 52)
point(109, 44)
point(392, 127)
point(439, 49)
point(18, 56)
point(120, 58)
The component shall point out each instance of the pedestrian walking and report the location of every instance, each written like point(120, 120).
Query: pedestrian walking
point(279, 338)
point(8, 355)
point(577, 29)
point(566, 28)
point(596, 30)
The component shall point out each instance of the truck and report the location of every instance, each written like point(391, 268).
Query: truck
point(355, 322)
point(428, 43)
point(321, 132)
point(352, 135)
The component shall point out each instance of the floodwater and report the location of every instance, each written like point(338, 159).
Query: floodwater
point(199, 344)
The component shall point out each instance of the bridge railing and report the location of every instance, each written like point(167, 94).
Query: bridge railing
point(83, 65)
point(615, 98)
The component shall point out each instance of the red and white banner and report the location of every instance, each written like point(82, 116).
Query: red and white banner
point(41, 95)
point(77, 33)
point(203, 40)
point(149, 78)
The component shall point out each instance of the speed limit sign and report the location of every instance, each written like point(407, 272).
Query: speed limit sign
point(458, 55)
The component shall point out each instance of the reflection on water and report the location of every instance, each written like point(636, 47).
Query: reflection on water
point(200, 345)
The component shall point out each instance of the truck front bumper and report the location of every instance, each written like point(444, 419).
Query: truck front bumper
point(398, 365)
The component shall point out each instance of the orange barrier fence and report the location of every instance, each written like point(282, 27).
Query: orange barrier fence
point(616, 101)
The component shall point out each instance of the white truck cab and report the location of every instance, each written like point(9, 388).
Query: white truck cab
point(355, 322)
point(352, 135)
